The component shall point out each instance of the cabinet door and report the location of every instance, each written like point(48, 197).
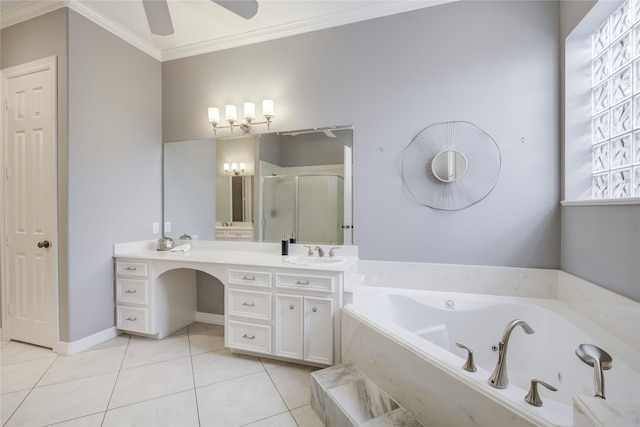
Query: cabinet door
point(318, 344)
point(289, 330)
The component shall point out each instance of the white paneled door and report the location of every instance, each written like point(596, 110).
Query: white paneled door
point(30, 258)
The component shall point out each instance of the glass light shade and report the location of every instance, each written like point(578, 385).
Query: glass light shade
point(268, 108)
point(231, 112)
point(249, 110)
point(243, 166)
point(214, 115)
point(226, 167)
point(234, 166)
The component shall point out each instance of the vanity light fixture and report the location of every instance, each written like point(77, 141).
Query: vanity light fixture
point(232, 168)
point(268, 112)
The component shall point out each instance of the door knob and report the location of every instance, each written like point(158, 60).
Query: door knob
point(44, 244)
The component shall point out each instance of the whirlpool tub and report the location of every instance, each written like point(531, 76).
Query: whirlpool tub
point(405, 340)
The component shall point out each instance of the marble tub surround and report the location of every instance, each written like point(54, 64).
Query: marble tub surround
point(617, 314)
point(388, 328)
point(507, 281)
point(591, 412)
point(343, 396)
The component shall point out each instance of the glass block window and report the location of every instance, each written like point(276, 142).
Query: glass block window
point(615, 104)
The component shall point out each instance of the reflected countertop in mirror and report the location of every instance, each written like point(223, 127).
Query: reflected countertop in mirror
point(296, 184)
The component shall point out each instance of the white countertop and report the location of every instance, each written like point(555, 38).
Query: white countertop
point(235, 253)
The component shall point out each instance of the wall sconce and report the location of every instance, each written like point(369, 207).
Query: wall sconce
point(245, 125)
point(232, 168)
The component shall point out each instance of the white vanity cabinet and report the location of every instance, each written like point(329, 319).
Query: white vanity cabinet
point(304, 328)
point(249, 307)
point(153, 306)
point(272, 306)
point(132, 288)
point(297, 309)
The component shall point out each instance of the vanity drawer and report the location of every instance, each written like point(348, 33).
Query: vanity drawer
point(132, 268)
point(132, 291)
point(306, 282)
point(250, 337)
point(133, 319)
point(250, 278)
point(256, 305)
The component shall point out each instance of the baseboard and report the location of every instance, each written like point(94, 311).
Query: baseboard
point(213, 319)
point(70, 348)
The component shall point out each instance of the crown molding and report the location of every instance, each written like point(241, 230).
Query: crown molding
point(33, 9)
point(83, 9)
point(383, 8)
point(28, 10)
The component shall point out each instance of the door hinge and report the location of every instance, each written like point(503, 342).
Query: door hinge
point(9, 308)
point(6, 171)
point(6, 240)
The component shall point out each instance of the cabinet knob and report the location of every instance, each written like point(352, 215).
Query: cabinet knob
point(249, 304)
point(130, 269)
point(302, 282)
point(291, 307)
point(249, 278)
point(129, 291)
point(131, 319)
point(314, 309)
point(250, 337)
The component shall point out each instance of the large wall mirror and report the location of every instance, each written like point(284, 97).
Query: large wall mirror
point(262, 187)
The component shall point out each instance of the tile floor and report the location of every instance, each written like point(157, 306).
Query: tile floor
point(187, 379)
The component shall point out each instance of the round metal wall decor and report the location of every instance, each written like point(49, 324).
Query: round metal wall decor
point(450, 165)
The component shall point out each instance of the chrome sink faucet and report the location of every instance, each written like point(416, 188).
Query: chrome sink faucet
point(499, 377)
point(320, 251)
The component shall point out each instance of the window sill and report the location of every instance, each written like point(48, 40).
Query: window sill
point(602, 202)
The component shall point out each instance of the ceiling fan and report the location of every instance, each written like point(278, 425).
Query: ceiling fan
point(159, 19)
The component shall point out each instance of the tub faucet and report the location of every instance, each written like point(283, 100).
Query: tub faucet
point(600, 360)
point(499, 377)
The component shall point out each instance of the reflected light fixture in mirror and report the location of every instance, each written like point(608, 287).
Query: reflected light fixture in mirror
point(233, 169)
point(268, 112)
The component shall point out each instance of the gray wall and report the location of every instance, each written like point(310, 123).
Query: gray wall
point(600, 243)
point(491, 63)
point(115, 161)
point(29, 41)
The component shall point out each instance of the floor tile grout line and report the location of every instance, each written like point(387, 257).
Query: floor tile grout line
point(193, 375)
point(115, 383)
point(31, 390)
point(72, 419)
point(266, 418)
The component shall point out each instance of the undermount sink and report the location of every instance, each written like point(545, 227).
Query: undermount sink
point(310, 260)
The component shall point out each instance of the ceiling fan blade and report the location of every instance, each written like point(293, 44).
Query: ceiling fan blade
point(158, 16)
point(244, 8)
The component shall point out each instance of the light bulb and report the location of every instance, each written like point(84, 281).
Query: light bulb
point(268, 109)
point(214, 115)
point(231, 112)
point(249, 110)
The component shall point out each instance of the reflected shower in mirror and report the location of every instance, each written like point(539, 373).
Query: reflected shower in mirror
point(297, 182)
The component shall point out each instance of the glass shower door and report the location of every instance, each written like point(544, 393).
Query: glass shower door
point(279, 207)
point(320, 209)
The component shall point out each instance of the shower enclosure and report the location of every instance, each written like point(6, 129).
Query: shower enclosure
point(311, 206)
